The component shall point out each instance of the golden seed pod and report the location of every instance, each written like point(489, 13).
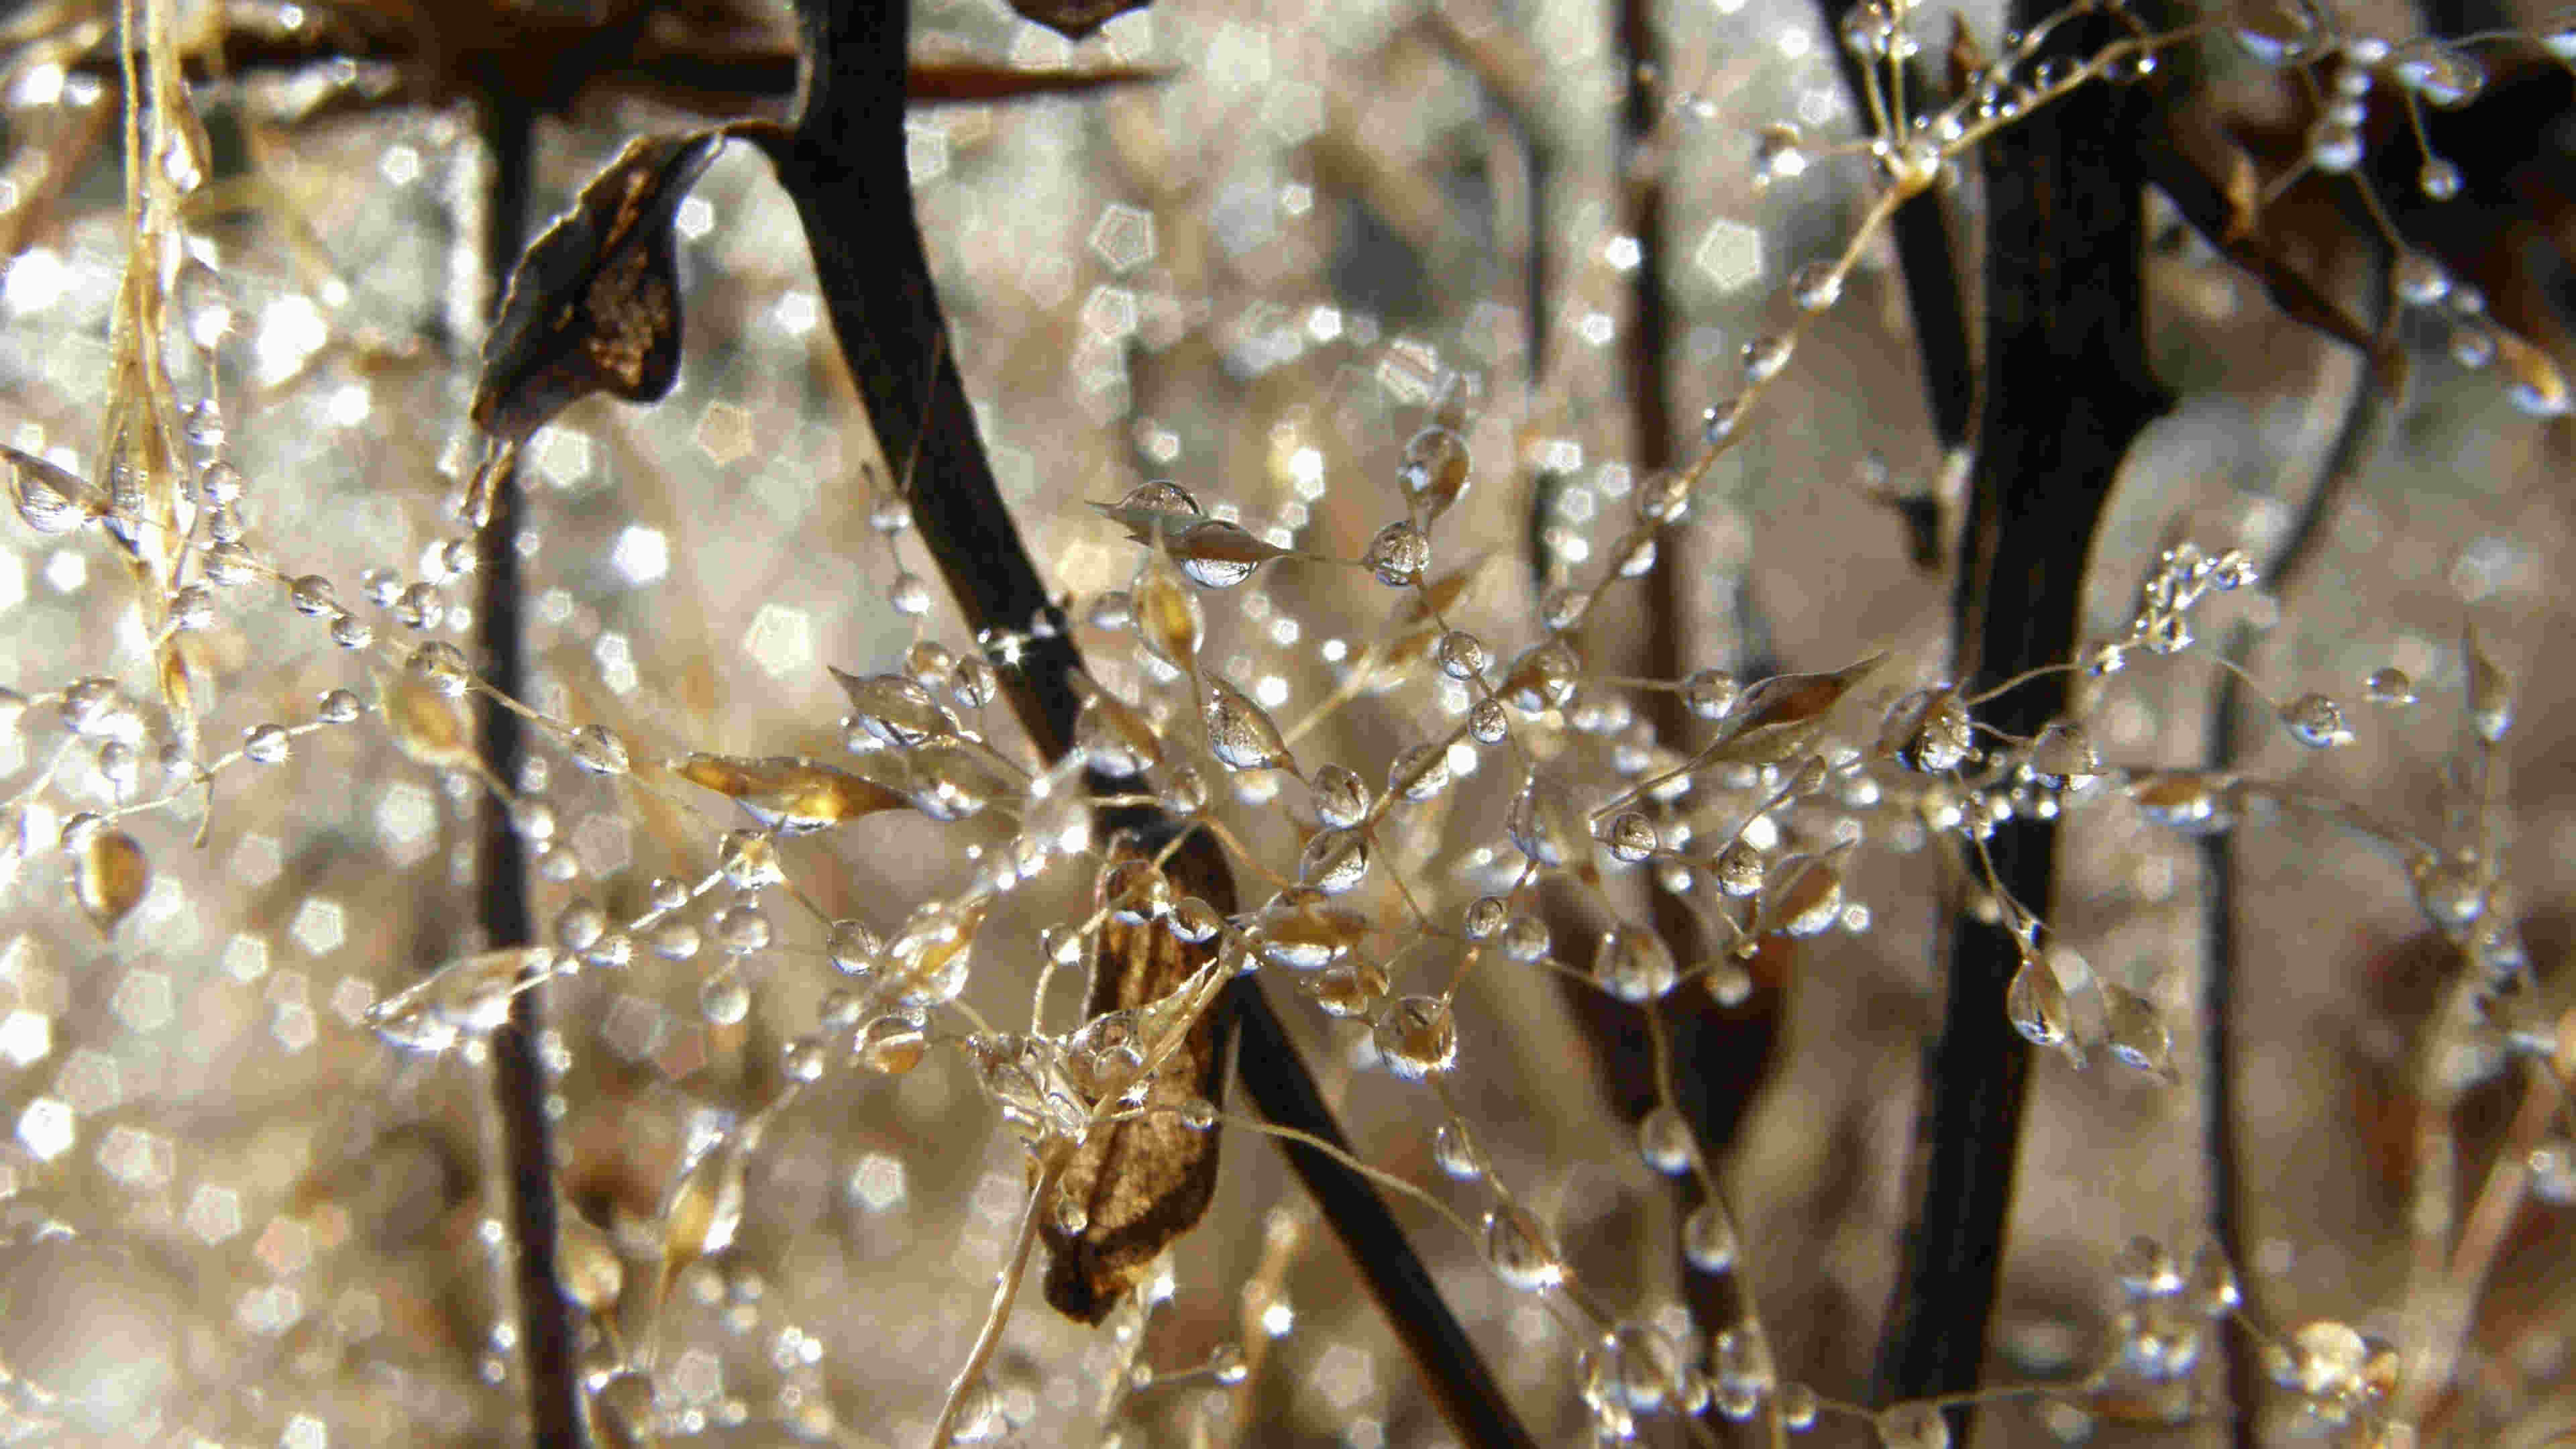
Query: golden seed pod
point(795, 796)
point(426, 725)
point(109, 876)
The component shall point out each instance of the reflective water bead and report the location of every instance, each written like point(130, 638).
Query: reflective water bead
point(1484, 917)
point(1419, 772)
point(2316, 721)
point(2420, 280)
point(192, 608)
point(1525, 938)
point(2146, 1268)
point(1708, 1238)
point(266, 744)
point(230, 564)
point(1664, 1141)
point(351, 632)
point(1519, 1250)
point(2439, 180)
point(675, 939)
point(2389, 686)
point(1816, 286)
point(1912, 1426)
point(1341, 797)
point(1334, 861)
point(893, 1043)
point(1710, 693)
point(1487, 721)
point(339, 706)
point(1632, 837)
point(724, 1000)
point(442, 666)
point(1417, 1037)
point(1453, 1148)
point(1398, 554)
point(1633, 964)
point(1764, 357)
point(1461, 655)
point(598, 750)
point(310, 595)
point(741, 930)
point(580, 925)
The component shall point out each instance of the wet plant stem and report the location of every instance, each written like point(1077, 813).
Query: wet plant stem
point(841, 159)
point(2067, 388)
point(519, 1085)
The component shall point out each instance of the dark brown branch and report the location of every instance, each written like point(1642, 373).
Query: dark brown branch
point(842, 160)
point(2067, 390)
point(501, 866)
point(1929, 266)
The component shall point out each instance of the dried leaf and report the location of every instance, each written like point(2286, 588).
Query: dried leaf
point(1143, 1182)
point(594, 305)
point(109, 876)
point(1074, 19)
point(794, 796)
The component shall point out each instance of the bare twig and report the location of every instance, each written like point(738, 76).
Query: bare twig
point(2067, 389)
point(501, 866)
point(843, 157)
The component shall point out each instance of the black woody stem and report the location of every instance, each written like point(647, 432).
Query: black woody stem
point(842, 160)
point(2067, 389)
point(501, 865)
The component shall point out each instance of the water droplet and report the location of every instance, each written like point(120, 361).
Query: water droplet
point(724, 1000)
point(1928, 730)
point(1544, 825)
point(1664, 1140)
point(1241, 732)
point(1417, 1037)
point(1519, 1250)
point(1816, 286)
point(442, 667)
point(1334, 861)
point(2035, 1002)
point(2136, 1031)
point(597, 749)
point(2490, 695)
point(1739, 869)
point(1710, 693)
point(1779, 154)
point(1764, 357)
point(1632, 837)
point(1454, 1148)
point(2316, 721)
point(2439, 180)
point(311, 596)
point(1633, 963)
point(893, 1043)
point(1708, 1239)
point(339, 706)
point(1460, 655)
point(675, 939)
point(2389, 686)
point(266, 744)
point(2063, 756)
point(1912, 1426)
point(1434, 472)
point(1219, 555)
point(1226, 1364)
point(2146, 1268)
point(1398, 554)
point(1487, 722)
point(1341, 797)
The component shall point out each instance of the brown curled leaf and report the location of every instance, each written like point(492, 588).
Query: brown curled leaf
point(594, 305)
point(1776, 717)
point(1145, 1181)
point(1074, 19)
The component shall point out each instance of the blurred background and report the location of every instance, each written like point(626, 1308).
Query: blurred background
point(234, 1214)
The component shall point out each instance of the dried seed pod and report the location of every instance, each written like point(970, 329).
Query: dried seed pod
point(109, 876)
point(1775, 718)
point(895, 708)
point(794, 796)
point(1141, 1182)
point(469, 996)
point(1168, 624)
point(1218, 555)
point(425, 724)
